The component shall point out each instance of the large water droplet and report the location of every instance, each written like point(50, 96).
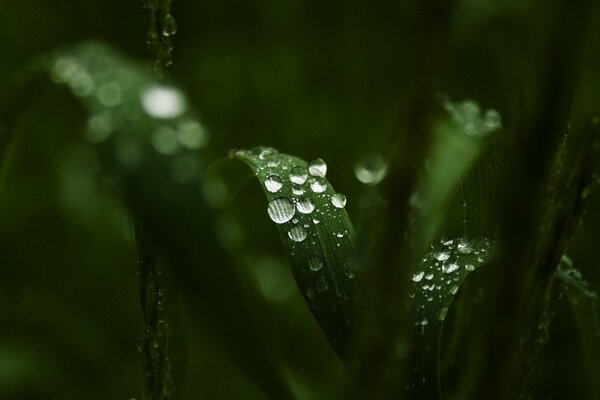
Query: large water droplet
point(298, 175)
point(297, 233)
point(317, 167)
point(418, 276)
point(441, 255)
point(315, 264)
point(170, 26)
point(371, 169)
point(338, 200)
point(464, 247)
point(318, 185)
point(281, 210)
point(273, 183)
point(305, 206)
point(450, 267)
point(163, 102)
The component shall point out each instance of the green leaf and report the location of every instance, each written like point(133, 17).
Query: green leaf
point(152, 147)
point(434, 285)
point(318, 238)
point(584, 302)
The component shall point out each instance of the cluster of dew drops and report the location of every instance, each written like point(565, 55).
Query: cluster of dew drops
point(441, 271)
point(295, 212)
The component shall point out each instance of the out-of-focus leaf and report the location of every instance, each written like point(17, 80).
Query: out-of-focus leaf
point(152, 146)
point(317, 235)
point(584, 302)
point(434, 284)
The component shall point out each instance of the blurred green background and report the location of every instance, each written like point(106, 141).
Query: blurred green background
point(317, 79)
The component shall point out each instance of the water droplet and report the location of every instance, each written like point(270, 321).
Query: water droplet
point(317, 167)
point(441, 255)
point(305, 206)
point(429, 276)
point(316, 221)
point(273, 183)
point(318, 185)
point(281, 210)
point(163, 102)
point(340, 234)
point(424, 321)
point(371, 169)
point(338, 200)
point(297, 190)
point(464, 247)
point(492, 120)
point(418, 276)
point(453, 289)
point(298, 175)
point(170, 26)
point(442, 313)
point(350, 273)
point(297, 233)
point(310, 294)
point(322, 284)
point(266, 153)
point(450, 267)
point(315, 264)
point(470, 267)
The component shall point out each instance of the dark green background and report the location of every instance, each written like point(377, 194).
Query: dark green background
point(329, 79)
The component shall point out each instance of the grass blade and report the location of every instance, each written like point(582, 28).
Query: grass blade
point(318, 238)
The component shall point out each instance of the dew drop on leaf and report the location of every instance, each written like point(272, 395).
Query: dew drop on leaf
point(305, 205)
point(318, 185)
point(418, 276)
point(315, 264)
point(170, 26)
point(441, 255)
point(317, 167)
point(297, 233)
point(298, 175)
point(338, 200)
point(273, 183)
point(450, 267)
point(371, 169)
point(281, 210)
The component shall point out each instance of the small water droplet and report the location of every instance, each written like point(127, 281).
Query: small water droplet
point(464, 247)
point(297, 233)
point(350, 273)
point(298, 175)
point(317, 167)
point(450, 267)
point(322, 284)
point(305, 205)
point(371, 169)
point(418, 276)
point(297, 190)
point(310, 294)
point(470, 267)
point(273, 183)
point(281, 210)
point(170, 26)
point(318, 185)
point(315, 264)
point(429, 276)
point(338, 200)
point(424, 321)
point(441, 255)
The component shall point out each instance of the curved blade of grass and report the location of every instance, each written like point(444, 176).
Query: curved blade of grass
point(433, 287)
point(152, 146)
point(459, 142)
point(584, 302)
point(318, 238)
